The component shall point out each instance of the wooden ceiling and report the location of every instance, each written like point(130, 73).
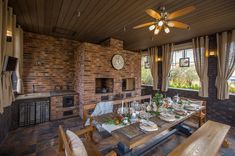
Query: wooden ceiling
point(101, 19)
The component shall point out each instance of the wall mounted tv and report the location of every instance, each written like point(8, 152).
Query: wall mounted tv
point(9, 63)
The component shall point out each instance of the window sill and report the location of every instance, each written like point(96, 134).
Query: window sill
point(184, 89)
point(148, 85)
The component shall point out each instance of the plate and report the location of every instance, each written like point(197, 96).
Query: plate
point(191, 107)
point(167, 117)
point(180, 112)
point(148, 126)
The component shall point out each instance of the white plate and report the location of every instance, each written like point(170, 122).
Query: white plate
point(191, 107)
point(168, 119)
point(148, 126)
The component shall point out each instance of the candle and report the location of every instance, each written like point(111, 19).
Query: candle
point(122, 107)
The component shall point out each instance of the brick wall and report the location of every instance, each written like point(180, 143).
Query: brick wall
point(217, 110)
point(57, 108)
point(48, 62)
point(94, 61)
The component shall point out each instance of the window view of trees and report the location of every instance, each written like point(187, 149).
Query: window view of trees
point(146, 77)
point(231, 84)
point(180, 77)
point(184, 77)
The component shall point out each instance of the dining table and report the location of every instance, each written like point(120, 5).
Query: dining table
point(131, 136)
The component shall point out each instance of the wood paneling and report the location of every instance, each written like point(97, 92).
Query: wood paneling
point(100, 19)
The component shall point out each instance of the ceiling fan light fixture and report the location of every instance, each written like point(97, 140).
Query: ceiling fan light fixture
point(170, 24)
point(156, 31)
point(167, 30)
point(151, 27)
point(160, 23)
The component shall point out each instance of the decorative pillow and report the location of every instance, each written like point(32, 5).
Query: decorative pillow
point(76, 145)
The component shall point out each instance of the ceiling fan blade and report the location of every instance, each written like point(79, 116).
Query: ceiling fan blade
point(143, 25)
point(153, 13)
point(177, 24)
point(180, 12)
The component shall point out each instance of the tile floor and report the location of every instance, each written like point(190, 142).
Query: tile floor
point(42, 140)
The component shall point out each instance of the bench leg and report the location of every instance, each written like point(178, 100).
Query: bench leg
point(226, 143)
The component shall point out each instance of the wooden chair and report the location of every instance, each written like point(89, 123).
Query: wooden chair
point(90, 147)
point(200, 116)
point(88, 107)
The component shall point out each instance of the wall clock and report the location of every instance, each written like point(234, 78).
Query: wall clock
point(118, 62)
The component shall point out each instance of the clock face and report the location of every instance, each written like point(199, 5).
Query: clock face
point(118, 62)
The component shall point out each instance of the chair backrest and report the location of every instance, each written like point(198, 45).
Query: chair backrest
point(63, 143)
point(89, 107)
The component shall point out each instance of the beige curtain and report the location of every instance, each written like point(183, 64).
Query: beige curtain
point(167, 54)
point(200, 52)
point(226, 62)
point(3, 29)
point(153, 52)
point(8, 95)
point(18, 53)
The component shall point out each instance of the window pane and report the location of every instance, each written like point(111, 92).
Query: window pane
point(146, 77)
point(184, 77)
point(231, 84)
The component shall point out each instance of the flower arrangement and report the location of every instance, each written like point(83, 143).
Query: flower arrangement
point(119, 119)
point(158, 99)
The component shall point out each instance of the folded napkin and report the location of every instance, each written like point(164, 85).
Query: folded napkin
point(100, 109)
point(111, 127)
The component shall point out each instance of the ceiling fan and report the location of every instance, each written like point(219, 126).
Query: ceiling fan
point(163, 19)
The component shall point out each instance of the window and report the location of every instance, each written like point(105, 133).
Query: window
point(231, 84)
point(146, 77)
point(183, 77)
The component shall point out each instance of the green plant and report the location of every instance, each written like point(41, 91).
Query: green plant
point(158, 99)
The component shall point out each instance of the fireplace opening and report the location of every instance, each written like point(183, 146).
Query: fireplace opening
point(68, 101)
point(104, 85)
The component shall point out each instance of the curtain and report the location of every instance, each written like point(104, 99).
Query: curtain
point(200, 52)
point(3, 29)
point(167, 54)
point(153, 52)
point(226, 62)
point(8, 95)
point(18, 53)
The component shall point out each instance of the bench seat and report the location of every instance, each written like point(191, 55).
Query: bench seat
point(206, 141)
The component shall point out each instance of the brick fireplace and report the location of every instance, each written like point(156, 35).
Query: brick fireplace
point(93, 62)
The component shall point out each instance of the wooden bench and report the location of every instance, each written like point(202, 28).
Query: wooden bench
point(206, 141)
point(90, 147)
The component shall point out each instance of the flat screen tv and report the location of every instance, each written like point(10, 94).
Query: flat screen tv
point(9, 63)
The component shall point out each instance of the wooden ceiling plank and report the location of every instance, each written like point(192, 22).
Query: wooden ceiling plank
point(57, 4)
point(32, 11)
point(100, 15)
point(63, 12)
point(72, 13)
point(115, 16)
point(82, 8)
point(41, 15)
point(48, 16)
point(25, 14)
point(84, 15)
point(92, 16)
point(99, 20)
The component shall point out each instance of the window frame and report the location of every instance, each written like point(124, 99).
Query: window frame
point(184, 55)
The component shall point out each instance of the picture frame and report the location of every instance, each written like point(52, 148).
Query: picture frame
point(146, 65)
point(184, 62)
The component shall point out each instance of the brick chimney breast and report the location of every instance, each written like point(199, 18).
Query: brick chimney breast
point(114, 43)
